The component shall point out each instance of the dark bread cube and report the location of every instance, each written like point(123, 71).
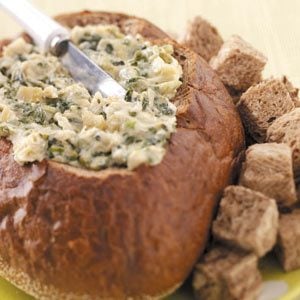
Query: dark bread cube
point(286, 129)
point(288, 247)
point(203, 38)
point(268, 169)
point(246, 219)
point(262, 104)
point(227, 274)
point(238, 64)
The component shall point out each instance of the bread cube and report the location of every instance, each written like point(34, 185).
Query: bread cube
point(268, 169)
point(238, 64)
point(203, 38)
point(263, 103)
point(247, 219)
point(286, 129)
point(227, 274)
point(288, 247)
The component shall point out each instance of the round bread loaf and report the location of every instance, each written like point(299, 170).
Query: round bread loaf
point(69, 233)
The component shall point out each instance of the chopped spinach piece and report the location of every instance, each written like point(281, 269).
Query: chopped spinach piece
point(41, 64)
point(31, 113)
point(39, 115)
point(101, 153)
point(152, 130)
point(138, 84)
point(55, 148)
point(128, 96)
point(130, 140)
point(3, 70)
point(4, 131)
point(132, 113)
point(145, 103)
point(153, 140)
point(164, 127)
point(21, 57)
point(145, 74)
point(61, 104)
point(165, 109)
point(71, 144)
point(73, 157)
point(53, 141)
point(18, 76)
point(103, 113)
point(133, 79)
point(139, 57)
point(109, 48)
point(118, 63)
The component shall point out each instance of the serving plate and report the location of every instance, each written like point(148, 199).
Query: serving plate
point(277, 285)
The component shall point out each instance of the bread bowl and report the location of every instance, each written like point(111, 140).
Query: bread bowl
point(122, 234)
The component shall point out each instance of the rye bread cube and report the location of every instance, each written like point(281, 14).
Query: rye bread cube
point(247, 219)
point(288, 245)
point(286, 129)
point(262, 104)
point(238, 64)
point(268, 169)
point(227, 274)
point(203, 38)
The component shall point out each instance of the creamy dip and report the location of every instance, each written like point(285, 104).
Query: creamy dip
point(47, 115)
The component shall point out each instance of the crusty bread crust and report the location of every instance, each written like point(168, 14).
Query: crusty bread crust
point(117, 234)
point(43, 291)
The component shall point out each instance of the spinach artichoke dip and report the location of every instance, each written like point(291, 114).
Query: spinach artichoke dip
point(47, 115)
